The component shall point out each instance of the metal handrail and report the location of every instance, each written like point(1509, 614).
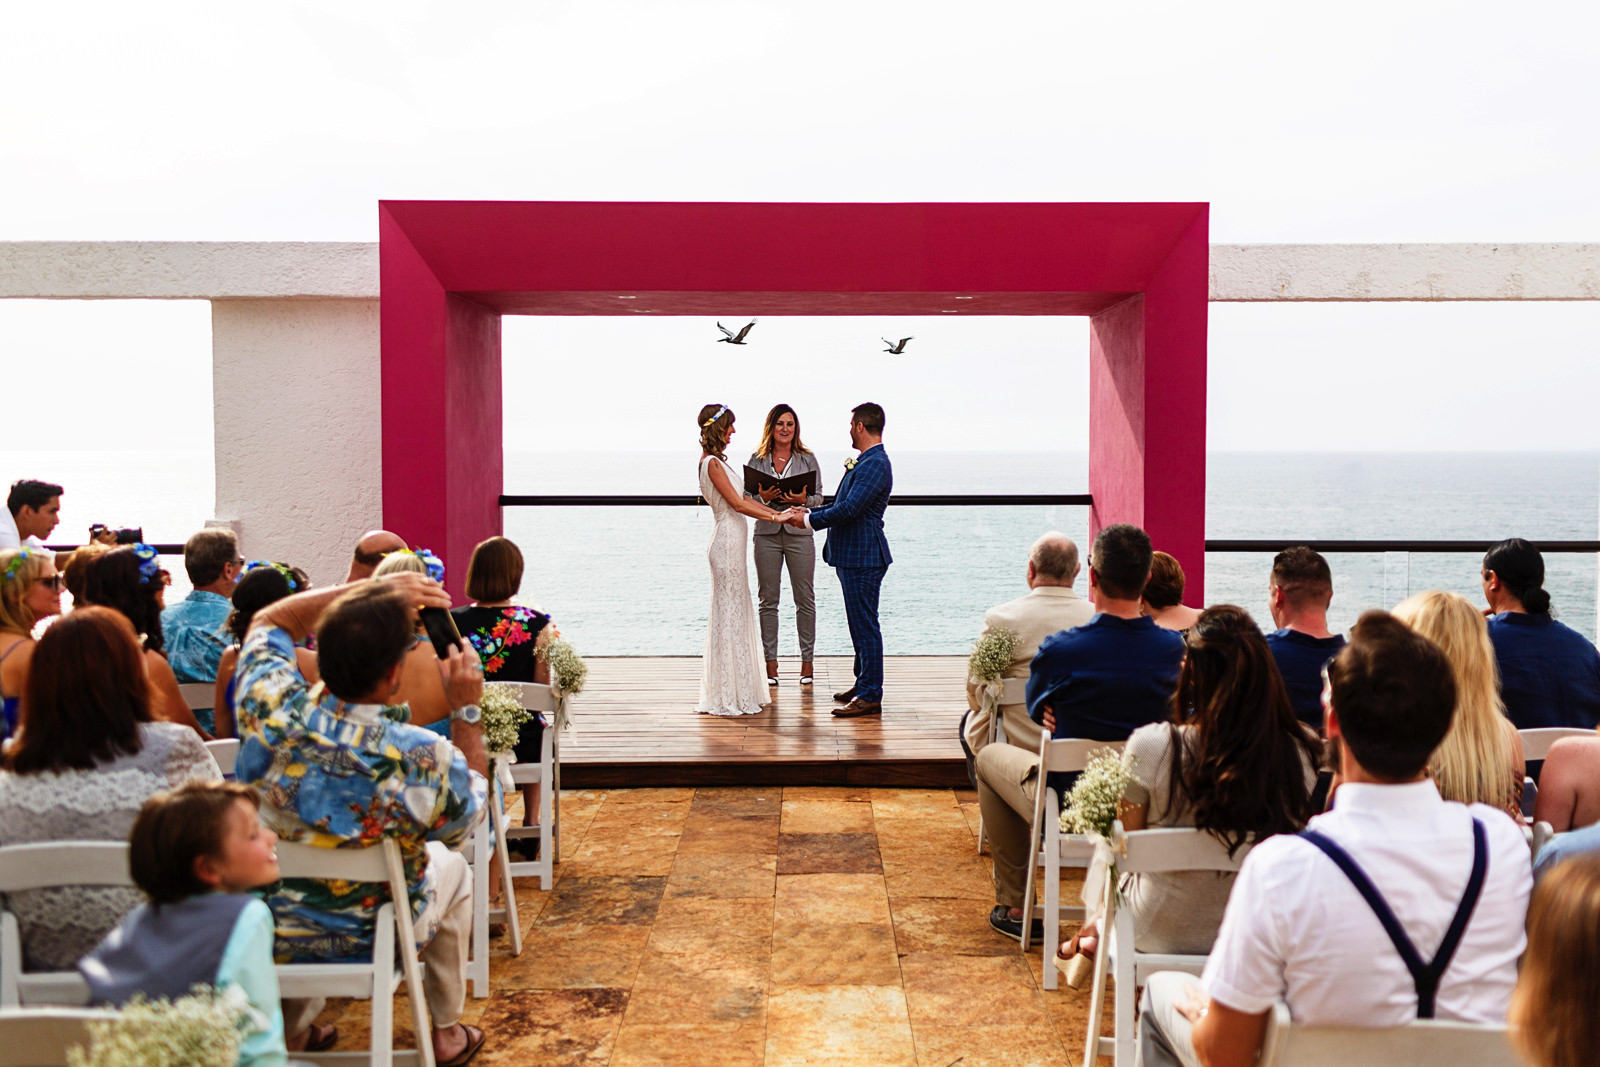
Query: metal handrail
point(1392, 545)
point(508, 500)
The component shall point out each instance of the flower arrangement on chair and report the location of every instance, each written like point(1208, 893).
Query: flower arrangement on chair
point(567, 674)
point(203, 1029)
point(988, 663)
point(1090, 810)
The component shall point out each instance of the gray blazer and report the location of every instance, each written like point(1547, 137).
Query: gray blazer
point(799, 463)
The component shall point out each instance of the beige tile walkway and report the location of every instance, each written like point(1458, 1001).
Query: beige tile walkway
point(765, 927)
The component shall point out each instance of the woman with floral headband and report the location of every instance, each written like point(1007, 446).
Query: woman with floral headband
point(130, 580)
point(30, 590)
point(263, 583)
point(420, 687)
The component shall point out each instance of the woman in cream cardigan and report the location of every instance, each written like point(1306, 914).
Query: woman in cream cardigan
point(776, 545)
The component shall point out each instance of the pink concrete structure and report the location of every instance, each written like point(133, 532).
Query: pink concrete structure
point(450, 269)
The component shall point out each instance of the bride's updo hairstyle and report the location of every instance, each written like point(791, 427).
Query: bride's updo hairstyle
point(715, 419)
point(1521, 570)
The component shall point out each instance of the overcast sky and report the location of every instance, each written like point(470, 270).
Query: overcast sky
point(1305, 123)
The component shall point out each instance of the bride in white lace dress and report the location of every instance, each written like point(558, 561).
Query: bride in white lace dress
point(731, 682)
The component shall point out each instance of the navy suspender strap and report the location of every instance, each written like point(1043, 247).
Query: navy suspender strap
point(1425, 976)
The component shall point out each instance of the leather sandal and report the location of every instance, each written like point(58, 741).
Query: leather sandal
point(475, 1040)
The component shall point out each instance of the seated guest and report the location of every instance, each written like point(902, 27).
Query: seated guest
point(1565, 846)
point(1298, 595)
point(1049, 607)
point(1480, 759)
point(338, 765)
point(1232, 760)
point(76, 572)
point(1162, 599)
point(1302, 925)
point(505, 636)
point(1569, 787)
point(32, 511)
point(129, 579)
point(1549, 673)
point(1099, 681)
point(370, 550)
point(197, 852)
point(193, 627)
point(419, 685)
point(1553, 1018)
point(263, 583)
point(30, 590)
point(88, 755)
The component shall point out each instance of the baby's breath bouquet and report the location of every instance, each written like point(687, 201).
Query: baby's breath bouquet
point(204, 1029)
point(991, 655)
point(1091, 810)
point(503, 719)
point(567, 674)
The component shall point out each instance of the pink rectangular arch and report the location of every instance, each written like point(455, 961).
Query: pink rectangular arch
point(450, 269)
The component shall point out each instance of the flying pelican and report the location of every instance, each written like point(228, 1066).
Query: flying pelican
point(895, 348)
point(734, 338)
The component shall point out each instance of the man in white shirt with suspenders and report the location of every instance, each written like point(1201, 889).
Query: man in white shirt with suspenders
point(1393, 906)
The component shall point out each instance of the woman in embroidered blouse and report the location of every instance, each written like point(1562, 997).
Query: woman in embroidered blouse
point(506, 637)
point(88, 755)
point(30, 590)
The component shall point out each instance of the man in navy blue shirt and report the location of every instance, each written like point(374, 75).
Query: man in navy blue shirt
point(1099, 681)
point(1298, 597)
point(1549, 672)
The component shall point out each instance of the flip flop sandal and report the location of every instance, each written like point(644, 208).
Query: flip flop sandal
point(322, 1038)
point(474, 1044)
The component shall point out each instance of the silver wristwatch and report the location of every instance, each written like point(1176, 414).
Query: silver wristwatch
point(471, 714)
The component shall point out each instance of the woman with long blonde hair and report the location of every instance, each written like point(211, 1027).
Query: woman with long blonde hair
point(1555, 1011)
point(30, 590)
point(1480, 759)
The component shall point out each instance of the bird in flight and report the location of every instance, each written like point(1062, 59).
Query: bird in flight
point(895, 347)
point(729, 337)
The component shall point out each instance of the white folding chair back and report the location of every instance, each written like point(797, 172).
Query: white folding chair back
point(40, 1037)
point(1162, 851)
point(375, 979)
point(1536, 743)
point(1424, 1043)
point(547, 775)
point(1012, 691)
point(1051, 848)
point(198, 694)
point(51, 865)
point(226, 752)
point(477, 850)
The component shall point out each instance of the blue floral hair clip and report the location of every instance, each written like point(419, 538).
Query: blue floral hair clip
point(14, 564)
point(434, 564)
point(288, 574)
point(149, 563)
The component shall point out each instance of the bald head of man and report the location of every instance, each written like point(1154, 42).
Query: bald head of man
point(370, 550)
point(1053, 560)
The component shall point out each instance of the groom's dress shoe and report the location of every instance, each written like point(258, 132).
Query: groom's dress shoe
point(847, 696)
point(857, 708)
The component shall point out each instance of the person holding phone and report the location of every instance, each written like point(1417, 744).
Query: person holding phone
point(419, 683)
point(782, 455)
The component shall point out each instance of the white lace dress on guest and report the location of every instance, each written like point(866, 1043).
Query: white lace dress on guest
point(60, 925)
point(731, 682)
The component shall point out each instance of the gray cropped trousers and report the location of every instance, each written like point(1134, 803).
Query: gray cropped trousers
point(772, 552)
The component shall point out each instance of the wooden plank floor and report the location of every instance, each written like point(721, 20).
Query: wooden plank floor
point(635, 725)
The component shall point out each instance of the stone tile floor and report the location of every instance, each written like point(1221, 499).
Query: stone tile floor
point(764, 927)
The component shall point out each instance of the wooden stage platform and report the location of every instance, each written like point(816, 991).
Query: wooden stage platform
point(635, 725)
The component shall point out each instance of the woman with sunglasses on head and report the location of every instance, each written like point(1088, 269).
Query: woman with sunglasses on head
point(30, 590)
point(263, 583)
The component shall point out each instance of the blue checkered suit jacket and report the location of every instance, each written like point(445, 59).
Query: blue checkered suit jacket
point(854, 520)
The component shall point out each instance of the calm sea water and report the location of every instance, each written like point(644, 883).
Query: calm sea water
point(634, 580)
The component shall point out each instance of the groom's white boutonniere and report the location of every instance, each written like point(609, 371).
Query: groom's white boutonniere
point(850, 464)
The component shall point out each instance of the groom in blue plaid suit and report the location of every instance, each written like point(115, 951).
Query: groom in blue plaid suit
point(859, 554)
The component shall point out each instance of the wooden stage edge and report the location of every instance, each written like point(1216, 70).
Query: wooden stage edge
point(634, 726)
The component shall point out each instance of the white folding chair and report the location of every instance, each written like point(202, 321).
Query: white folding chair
point(477, 850)
point(1163, 851)
point(198, 695)
point(1423, 1043)
point(226, 752)
point(1012, 691)
point(1536, 743)
point(375, 979)
point(51, 865)
point(40, 1037)
point(1053, 849)
point(547, 775)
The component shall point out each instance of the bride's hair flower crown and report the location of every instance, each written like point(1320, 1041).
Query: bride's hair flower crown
point(720, 412)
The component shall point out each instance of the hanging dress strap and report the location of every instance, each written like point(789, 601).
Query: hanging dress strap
point(1425, 976)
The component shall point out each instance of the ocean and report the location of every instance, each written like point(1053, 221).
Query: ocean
point(633, 581)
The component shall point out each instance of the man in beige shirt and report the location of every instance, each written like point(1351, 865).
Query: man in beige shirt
point(1049, 607)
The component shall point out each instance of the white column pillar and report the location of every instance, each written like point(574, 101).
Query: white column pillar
point(298, 421)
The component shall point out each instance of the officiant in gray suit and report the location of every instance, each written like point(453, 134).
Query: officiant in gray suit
point(776, 545)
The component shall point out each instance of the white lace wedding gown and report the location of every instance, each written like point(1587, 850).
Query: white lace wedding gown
point(731, 682)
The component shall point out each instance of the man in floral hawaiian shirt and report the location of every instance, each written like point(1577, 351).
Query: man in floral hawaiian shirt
point(338, 767)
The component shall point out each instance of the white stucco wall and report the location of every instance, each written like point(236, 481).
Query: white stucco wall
point(187, 270)
point(1405, 272)
point(298, 428)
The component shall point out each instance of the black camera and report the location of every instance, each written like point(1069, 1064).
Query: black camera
point(128, 535)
